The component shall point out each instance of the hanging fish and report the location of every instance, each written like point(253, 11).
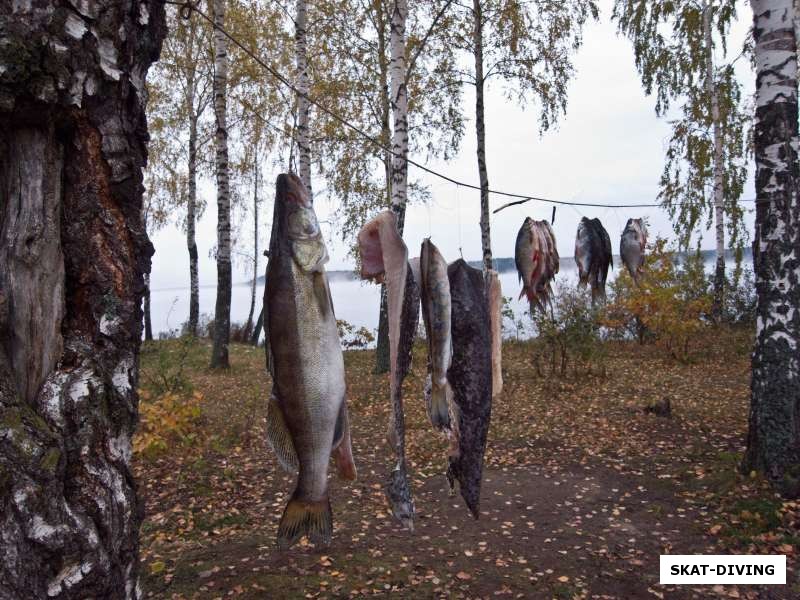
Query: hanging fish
point(471, 378)
point(593, 256)
point(435, 295)
point(384, 259)
point(496, 316)
point(632, 246)
point(537, 261)
point(307, 414)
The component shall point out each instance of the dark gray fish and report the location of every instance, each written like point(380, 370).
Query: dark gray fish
point(471, 378)
point(307, 417)
point(632, 247)
point(384, 258)
point(593, 256)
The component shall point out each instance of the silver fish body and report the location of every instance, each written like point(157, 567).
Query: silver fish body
point(632, 245)
point(307, 416)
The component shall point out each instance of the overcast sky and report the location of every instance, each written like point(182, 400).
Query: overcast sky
point(608, 149)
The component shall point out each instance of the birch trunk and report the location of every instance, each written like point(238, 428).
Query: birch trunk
point(222, 313)
point(73, 254)
point(249, 326)
point(382, 343)
point(303, 88)
point(480, 131)
point(719, 206)
point(191, 219)
point(399, 100)
point(773, 443)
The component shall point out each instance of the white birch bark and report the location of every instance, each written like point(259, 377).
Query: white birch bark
point(480, 131)
point(222, 313)
point(718, 166)
point(303, 87)
point(399, 102)
point(773, 444)
point(191, 218)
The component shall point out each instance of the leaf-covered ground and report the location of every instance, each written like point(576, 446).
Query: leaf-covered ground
point(582, 489)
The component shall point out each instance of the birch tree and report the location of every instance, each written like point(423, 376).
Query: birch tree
point(351, 71)
point(529, 47)
point(180, 91)
point(399, 103)
point(706, 159)
point(303, 105)
point(222, 310)
point(73, 252)
point(773, 441)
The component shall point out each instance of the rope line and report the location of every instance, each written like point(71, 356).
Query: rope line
point(187, 7)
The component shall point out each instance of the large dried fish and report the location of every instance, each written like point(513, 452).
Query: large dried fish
point(593, 256)
point(471, 378)
point(307, 414)
point(384, 258)
point(631, 247)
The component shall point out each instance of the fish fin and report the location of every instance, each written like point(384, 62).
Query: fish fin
point(439, 406)
point(342, 447)
point(278, 436)
point(321, 294)
point(313, 519)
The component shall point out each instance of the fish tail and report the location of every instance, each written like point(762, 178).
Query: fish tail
point(439, 409)
point(312, 519)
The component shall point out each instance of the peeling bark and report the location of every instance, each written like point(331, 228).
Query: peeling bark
point(73, 255)
point(222, 312)
point(773, 441)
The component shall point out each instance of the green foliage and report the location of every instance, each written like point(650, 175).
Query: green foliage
point(167, 375)
point(571, 333)
point(349, 73)
point(353, 338)
point(672, 57)
point(670, 306)
point(518, 327)
point(529, 46)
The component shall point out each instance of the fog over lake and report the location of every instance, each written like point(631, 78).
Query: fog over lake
point(355, 301)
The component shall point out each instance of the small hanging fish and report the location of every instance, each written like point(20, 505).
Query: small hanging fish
point(537, 261)
point(593, 256)
point(632, 247)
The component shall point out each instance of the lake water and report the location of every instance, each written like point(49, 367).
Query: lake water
point(354, 301)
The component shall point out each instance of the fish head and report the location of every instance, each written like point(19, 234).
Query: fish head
point(298, 223)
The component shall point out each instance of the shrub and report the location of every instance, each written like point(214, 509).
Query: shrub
point(353, 338)
point(166, 419)
point(517, 327)
point(671, 305)
point(570, 333)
